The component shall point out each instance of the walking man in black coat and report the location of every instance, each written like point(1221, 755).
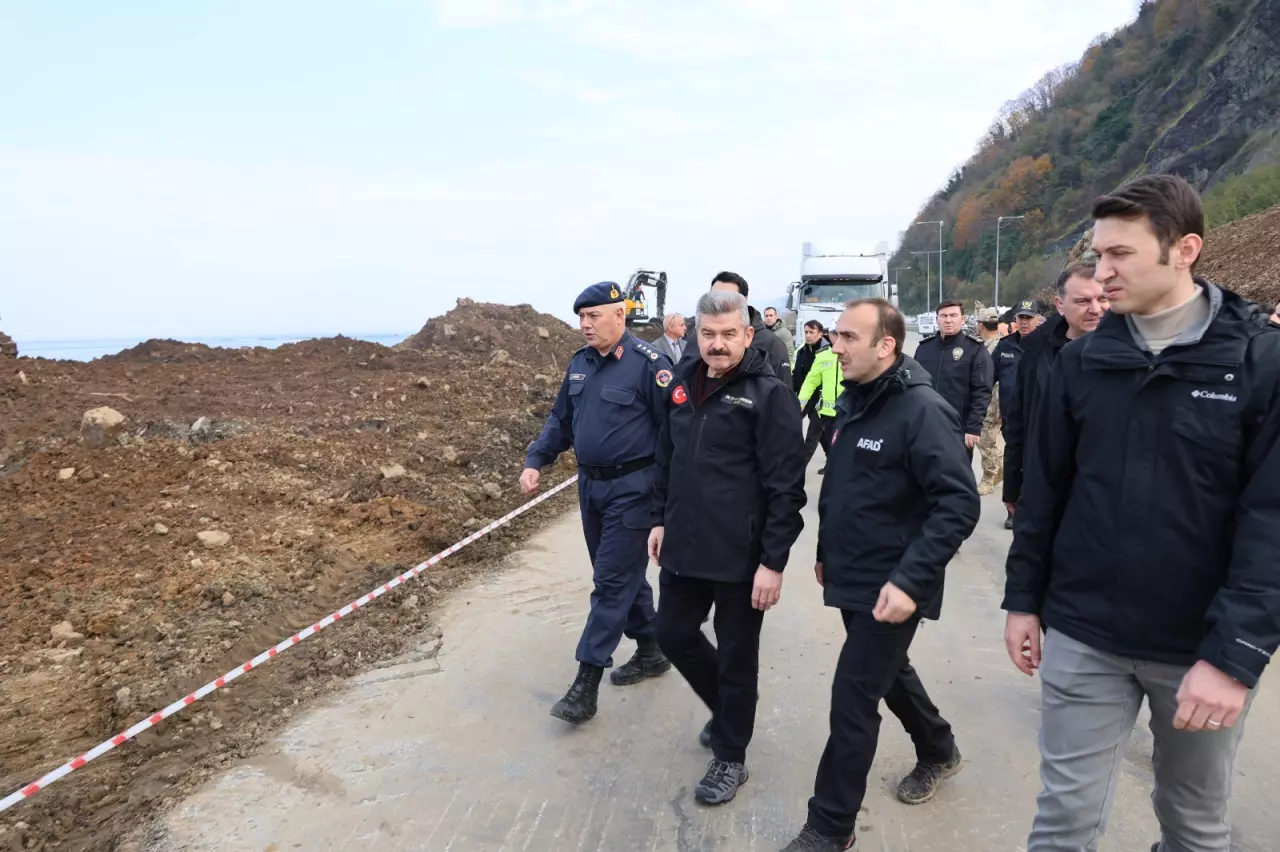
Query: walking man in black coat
point(728, 496)
point(898, 500)
point(960, 367)
point(1146, 535)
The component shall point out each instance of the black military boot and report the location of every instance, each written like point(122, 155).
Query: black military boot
point(579, 703)
point(647, 661)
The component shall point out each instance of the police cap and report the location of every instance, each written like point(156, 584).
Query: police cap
point(1028, 308)
point(604, 293)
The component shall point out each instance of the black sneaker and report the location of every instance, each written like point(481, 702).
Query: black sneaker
point(811, 841)
point(705, 737)
point(922, 784)
point(1008, 522)
point(721, 782)
point(579, 703)
point(648, 661)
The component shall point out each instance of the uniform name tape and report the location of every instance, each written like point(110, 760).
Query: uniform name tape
point(154, 719)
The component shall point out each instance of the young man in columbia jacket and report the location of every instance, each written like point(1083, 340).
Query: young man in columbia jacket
point(1147, 533)
point(898, 500)
point(727, 499)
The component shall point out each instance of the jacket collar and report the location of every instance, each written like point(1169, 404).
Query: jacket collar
point(1222, 342)
point(857, 399)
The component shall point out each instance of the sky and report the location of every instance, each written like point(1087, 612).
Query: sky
point(242, 167)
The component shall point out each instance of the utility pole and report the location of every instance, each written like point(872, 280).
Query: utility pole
point(998, 221)
point(937, 222)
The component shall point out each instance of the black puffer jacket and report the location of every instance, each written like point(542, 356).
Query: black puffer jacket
point(960, 367)
point(730, 480)
point(899, 497)
point(1039, 350)
point(1149, 524)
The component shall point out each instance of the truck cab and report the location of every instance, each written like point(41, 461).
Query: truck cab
point(830, 276)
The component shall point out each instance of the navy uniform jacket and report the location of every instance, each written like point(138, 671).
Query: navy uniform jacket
point(1004, 364)
point(610, 407)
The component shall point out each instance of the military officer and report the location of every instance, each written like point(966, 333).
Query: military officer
point(610, 409)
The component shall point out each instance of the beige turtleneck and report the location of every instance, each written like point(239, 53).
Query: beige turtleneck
point(1161, 329)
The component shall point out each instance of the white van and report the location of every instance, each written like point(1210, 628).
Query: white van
point(927, 324)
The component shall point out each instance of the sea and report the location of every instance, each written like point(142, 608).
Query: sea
point(87, 350)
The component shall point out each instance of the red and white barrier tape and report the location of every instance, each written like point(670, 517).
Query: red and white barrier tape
point(120, 739)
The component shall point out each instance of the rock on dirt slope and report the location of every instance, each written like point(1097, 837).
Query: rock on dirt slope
point(1245, 257)
point(247, 494)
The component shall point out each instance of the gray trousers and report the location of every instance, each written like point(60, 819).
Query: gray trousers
point(1090, 702)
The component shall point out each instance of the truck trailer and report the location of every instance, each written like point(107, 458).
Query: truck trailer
point(831, 275)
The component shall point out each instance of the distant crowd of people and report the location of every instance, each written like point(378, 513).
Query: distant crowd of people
point(1136, 437)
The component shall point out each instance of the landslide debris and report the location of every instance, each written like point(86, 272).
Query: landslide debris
point(1245, 257)
point(242, 495)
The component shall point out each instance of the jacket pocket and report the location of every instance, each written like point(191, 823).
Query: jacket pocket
point(618, 396)
point(1219, 435)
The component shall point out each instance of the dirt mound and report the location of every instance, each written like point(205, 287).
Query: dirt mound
point(483, 328)
point(8, 349)
point(330, 465)
point(1245, 257)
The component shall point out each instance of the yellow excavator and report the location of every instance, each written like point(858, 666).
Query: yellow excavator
point(645, 314)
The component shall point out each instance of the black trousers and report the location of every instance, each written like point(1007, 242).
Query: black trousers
point(818, 432)
point(724, 677)
point(873, 665)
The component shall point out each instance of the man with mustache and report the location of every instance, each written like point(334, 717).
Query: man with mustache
point(728, 496)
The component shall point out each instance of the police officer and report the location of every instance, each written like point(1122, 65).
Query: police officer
point(1008, 352)
point(610, 409)
point(960, 368)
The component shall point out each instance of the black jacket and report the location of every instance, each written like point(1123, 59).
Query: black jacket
point(960, 367)
point(804, 363)
point(1149, 524)
point(730, 481)
point(773, 347)
point(1025, 396)
point(1004, 367)
point(898, 498)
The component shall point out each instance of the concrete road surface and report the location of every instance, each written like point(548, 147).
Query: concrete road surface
point(459, 754)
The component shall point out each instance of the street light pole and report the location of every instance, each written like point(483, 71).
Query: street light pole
point(937, 222)
point(1000, 219)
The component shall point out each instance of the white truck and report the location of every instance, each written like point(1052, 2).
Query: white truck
point(831, 275)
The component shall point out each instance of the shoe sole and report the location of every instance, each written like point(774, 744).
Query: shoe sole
point(651, 673)
point(565, 717)
point(949, 772)
point(696, 794)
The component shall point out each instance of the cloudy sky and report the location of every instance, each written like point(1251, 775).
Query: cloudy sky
point(278, 166)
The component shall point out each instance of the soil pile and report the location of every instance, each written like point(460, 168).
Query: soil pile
point(482, 329)
point(1245, 257)
point(247, 494)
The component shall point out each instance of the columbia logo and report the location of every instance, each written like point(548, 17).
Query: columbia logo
point(1222, 397)
point(868, 444)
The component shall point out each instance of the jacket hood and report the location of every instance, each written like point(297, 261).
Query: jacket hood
point(905, 373)
point(753, 363)
point(757, 319)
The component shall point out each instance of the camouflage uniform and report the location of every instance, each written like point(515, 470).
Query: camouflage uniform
point(991, 447)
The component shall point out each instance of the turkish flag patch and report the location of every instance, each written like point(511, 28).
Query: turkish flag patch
point(678, 396)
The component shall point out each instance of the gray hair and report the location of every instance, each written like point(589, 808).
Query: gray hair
point(718, 303)
point(671, 320)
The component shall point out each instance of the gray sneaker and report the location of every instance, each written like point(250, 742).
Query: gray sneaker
point(922, 784)
point(721, 782)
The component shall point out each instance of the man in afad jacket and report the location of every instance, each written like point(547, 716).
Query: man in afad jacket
point(898, 500)
point(728, 495)
point(960, 367)
point(1146, 536)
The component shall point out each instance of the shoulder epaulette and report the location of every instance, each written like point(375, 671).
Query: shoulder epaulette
point(644, 349)
point(974, 337)
point(933, 336)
